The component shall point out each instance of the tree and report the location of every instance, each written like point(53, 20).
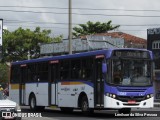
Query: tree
point(17, 45)
point(92, 28)
point(4, 73)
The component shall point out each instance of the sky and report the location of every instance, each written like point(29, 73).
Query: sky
point(133, 16)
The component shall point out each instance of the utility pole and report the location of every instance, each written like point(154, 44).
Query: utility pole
point(29, 55)
point(70, 26)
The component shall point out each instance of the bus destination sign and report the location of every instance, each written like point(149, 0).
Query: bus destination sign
point(131, 53)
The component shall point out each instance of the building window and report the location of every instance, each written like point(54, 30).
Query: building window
point(156, 44)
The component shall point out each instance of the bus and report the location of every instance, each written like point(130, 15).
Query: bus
point(118, 79)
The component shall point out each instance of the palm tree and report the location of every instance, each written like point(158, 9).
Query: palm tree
point(92, 28)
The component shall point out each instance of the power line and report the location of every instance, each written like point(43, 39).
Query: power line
point(31, 11)
point(34, 22)
point(67, 28)
point(137, 25)
point(129, 15)
point(33, 7)
point(37, 26)
point(131, 30)
point(112, 9)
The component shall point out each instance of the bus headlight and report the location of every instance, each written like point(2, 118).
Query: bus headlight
point(114, 96)
point(111, 95)
point(149, 96)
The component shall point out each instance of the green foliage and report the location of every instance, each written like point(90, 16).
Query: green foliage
point(4, 73)
point(17, 45)
point(92, 28)
point(58, 39)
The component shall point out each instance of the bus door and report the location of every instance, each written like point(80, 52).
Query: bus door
point(23, 78)
point(53, 87)
point(98, 82)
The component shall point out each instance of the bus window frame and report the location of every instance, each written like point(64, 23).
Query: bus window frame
point(61, 69)
point(11, 74)
point(91, 78)
point(76, 69)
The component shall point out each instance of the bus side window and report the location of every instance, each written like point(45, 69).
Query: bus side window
point(42, 72)
point(86, 70)
point(32, 73)
point(64, 69)
point(15, 74)
point(82, 73)
point(75, 69)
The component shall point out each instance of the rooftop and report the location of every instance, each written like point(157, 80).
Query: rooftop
point(125, 36)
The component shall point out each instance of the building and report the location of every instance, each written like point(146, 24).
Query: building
point(88, 43)
point(153, 44)
point(130, 41)
point(96, 41)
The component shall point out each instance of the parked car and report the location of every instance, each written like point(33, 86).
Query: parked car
point(8, 107)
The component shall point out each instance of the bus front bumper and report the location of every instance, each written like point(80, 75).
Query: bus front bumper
point(117, 104)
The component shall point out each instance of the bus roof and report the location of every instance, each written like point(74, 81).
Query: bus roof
point(107, 52)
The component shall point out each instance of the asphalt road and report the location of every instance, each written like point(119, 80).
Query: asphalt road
point(56, 114)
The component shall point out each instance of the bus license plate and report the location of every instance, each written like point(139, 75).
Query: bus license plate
point(131, 102)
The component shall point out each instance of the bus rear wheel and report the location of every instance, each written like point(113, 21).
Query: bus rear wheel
point(85, 106)
point(32, 102)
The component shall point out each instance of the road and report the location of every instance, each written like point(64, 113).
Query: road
point(56, 114)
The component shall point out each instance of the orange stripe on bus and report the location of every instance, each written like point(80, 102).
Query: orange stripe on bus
point(71, 83)
point(16, 86)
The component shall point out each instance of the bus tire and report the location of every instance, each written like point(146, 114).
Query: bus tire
point(85, 106)
point(32, 102)
point(124, 110)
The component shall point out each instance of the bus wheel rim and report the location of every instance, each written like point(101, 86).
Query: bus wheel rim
point(84, 106)
point(32, 102)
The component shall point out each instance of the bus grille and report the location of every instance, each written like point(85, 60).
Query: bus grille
point(127, 98)
point(132, 89)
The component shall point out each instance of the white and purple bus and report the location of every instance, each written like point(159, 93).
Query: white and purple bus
point(103, 79)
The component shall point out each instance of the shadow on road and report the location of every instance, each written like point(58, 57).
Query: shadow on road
point(76, 114)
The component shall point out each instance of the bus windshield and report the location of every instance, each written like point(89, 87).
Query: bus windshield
point(131, 72)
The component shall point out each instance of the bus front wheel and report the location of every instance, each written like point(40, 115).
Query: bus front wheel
point(85, 106)
point(33, 104)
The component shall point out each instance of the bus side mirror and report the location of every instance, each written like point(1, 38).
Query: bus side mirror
point(104, 67)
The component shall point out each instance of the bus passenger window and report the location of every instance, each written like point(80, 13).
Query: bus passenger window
point(65, 69)
point(86, 70)
point(82, 73)
point(75, 68)
point(15, 74)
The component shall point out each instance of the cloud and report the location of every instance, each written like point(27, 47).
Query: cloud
point(59, 19)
